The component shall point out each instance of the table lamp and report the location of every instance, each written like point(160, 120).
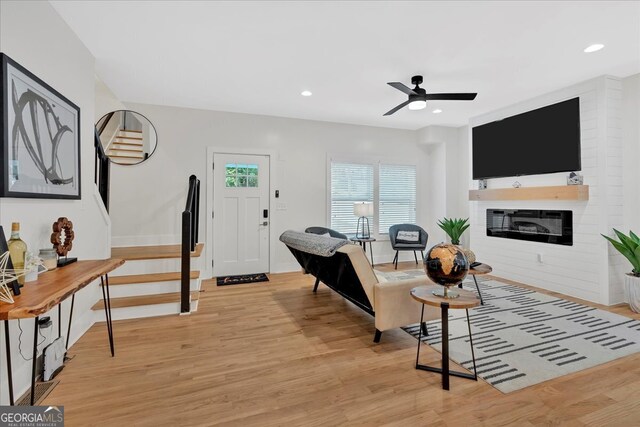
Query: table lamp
point(363, 210)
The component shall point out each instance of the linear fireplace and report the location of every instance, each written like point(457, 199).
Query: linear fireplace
point(528, 224)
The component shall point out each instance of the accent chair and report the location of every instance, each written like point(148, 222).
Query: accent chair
point(408, 240)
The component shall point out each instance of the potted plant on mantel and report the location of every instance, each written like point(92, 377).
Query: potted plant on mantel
point(454, 227)
point(629, 246)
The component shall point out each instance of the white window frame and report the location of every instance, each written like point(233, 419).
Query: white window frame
point(375, 161)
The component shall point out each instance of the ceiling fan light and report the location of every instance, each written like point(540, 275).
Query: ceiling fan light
point(418, 105)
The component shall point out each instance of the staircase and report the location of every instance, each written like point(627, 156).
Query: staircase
point(127, 147)
point(148, 284)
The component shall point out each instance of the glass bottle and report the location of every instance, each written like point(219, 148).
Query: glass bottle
point(17, 249)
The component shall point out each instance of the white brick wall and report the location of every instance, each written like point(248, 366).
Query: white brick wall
point(585, 269)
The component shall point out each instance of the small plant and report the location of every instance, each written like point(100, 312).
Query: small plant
point(629, 246)
point(454, 227)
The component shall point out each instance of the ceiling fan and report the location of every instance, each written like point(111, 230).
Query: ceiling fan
point(418, 97)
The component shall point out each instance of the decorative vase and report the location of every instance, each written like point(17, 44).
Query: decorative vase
point(471, 257)
point(31, 276)
point(632, 288)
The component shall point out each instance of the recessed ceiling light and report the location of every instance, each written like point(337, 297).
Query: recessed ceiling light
point(593, 48)
point(437, 111)
point(306, 93)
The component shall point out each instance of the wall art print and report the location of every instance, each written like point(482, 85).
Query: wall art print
point(40, 132)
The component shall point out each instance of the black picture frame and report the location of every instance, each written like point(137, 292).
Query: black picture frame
point(41, 152)
point(4, 247)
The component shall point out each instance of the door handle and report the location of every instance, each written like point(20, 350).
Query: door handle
point(265, 223)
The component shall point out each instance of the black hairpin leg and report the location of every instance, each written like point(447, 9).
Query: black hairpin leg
point(59, 320)
point(104, 281)
point(396, 260)
point(473, 356)
point(73, 300)
point(425, 329)
point(34, 360)
point(7, 340)
point(377, 336)
point(420, 337)
point(315, 287)
point(478, 288)
point(422, 255)
point(415, 256)
point(371, 253)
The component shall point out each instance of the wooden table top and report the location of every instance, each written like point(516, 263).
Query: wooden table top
point(424, 295)
point(52, 287)
point(480, 270)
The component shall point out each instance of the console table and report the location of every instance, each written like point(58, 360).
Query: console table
point(465, 300)
point(49, 290)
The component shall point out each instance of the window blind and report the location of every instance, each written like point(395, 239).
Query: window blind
point(397, 196)
point(350, 183)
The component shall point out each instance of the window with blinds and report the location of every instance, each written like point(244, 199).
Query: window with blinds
point(397, 196)
point(350, 183)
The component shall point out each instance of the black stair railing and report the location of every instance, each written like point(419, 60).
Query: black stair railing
point(190, 219)
point(102, 164)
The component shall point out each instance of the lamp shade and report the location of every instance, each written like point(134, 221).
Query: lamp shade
point(361, 209)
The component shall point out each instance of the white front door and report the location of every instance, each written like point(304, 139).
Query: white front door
point(241, 214)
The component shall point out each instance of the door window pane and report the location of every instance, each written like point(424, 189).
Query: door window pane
point(240, 175)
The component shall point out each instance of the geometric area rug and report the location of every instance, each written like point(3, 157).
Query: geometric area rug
point(522, 337)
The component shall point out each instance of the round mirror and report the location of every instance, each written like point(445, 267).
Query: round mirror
point(127, 137)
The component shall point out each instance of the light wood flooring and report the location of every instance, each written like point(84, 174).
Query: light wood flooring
point(274, 353)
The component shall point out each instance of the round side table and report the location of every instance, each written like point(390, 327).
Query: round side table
point(362, 241)
point(466, 300)
point(480, 270)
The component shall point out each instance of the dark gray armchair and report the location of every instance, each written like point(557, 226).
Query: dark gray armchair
point(324, 230)
point(399, 245)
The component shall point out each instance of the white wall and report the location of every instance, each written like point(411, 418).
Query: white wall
point(448, 175)
point(588, 269)
point(147, 199)
point(35, 36)
point(631, 147)
point(106, 101)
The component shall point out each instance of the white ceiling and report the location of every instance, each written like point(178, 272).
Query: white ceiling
point(256, 57)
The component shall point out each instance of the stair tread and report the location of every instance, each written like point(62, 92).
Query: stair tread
point(132, 253)
point(126, 157)
point(173, 297)
point(149, 278)
point(125, 149)
point(135, 144)
point(129, 137)
point(127, 130)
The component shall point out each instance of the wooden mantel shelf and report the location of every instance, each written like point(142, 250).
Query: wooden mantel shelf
point(559, 192)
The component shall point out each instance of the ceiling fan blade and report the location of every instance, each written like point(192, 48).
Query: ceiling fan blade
point(451, 96)
point(393, 110)
point(402, 88)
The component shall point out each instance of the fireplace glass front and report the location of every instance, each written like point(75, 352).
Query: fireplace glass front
point(544, 226)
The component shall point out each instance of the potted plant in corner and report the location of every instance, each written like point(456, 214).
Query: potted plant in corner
point(629, 246)
point(454, 227)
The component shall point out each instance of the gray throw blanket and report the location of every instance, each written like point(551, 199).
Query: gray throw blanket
point(312, 243)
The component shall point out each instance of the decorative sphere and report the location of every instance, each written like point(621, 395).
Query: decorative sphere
point(446, 264)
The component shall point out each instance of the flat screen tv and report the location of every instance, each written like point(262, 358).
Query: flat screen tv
point(544, 140)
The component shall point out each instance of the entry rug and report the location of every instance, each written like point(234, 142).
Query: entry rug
point(522, 337)
point(244, 278)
